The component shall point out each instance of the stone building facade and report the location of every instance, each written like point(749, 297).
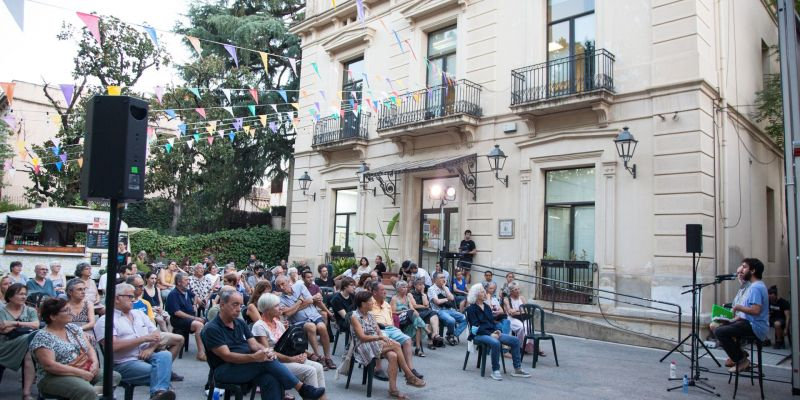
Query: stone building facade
point(552, 83)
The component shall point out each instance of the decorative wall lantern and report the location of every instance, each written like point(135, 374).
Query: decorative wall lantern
point(305, 182)
point(497, 160)
point(626, 146)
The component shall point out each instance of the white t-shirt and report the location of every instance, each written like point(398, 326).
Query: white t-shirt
point(260, 329)
point(421, 273)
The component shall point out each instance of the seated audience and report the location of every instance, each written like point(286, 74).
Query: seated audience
point(292, 273)
point(180, 306)
point(40, 283)
point(316, 293)
point(252, 313)
point(497, 307)
point(200, 286)
point(380, 267)
point(350, 273)
point(80, 311)
point(443, 302)
point(512, 305)
point(236, 356)
point(480, 317)
point(382, 312)
point(753, 320)
point(168, 341)
point(299, 308)
point(778, 316)
point(364, 282)
point(16, 274)
point(17, 322)
point(459, 289)
point(488, 276)
point(83, 271)
point(57, 277)
point(135, 344)
point(410, 322)
point(417, 272)
point(269, 328)
point(370, 342)
point(363, 268)
point(66, 363)
point(166, 278)
point(342, 302)
point(430, 317)
point(152, 295)
point(325, 278)
point(5, 282)
point(213, 278)
point(439, 271)
point(506, 290)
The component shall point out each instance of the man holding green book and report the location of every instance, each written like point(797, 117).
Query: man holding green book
point(751, 316)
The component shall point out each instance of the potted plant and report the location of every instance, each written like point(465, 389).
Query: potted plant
point(338, 252)
point(343, 264)
point(386, 240)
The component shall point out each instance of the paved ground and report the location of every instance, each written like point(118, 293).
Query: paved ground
point(588, 369)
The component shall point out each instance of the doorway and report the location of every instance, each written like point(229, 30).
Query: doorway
point(440, 228)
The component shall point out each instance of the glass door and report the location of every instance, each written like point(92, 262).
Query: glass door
point(437, 234)
point(441, 73)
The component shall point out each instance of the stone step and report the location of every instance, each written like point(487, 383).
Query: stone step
point(574, 326)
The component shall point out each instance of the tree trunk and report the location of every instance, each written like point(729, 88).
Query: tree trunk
point(176, 215)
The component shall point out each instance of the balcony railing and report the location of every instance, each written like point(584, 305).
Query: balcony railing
point(457, 98)
point(332, 130)
point(582, 73)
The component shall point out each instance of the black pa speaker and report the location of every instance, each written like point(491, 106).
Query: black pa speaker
point(114, 149)
point(694, 238)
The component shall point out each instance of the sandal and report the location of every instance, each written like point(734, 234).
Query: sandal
point(419, 352)
point(414, 381)
point(395, 394)
point(431, 345)
point(315, 358)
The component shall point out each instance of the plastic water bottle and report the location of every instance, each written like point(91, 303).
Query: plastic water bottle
point(216, 394)
point(673, 370)
point(686, 384)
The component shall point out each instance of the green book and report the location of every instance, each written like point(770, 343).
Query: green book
point(721, 313)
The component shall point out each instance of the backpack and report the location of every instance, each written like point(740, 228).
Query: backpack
point(293, 342)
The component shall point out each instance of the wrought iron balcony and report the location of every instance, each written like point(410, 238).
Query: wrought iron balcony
point(337, 131)
point(440, 106)
point(584, 73)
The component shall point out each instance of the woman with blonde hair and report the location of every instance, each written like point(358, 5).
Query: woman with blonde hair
point(268, 330)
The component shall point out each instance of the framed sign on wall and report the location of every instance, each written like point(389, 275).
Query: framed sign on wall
point(505, 228)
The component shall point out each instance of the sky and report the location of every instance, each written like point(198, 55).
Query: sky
point(36, 55)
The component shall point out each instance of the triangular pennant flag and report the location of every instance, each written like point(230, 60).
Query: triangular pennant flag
point(210, 130)
point(231, 135)
point(399, 43)
point(316, 69)
point(196, 136)
point(272, 127)
point(296, 106)
point(201, 111)
point(238, 123)
point(221, 133)
point(59, 165)
point(168, 147)
point(210, 140)
point(11, 121)
point(190, 142)
point(7, 165)
point(213, 125)
point(55, 150)
point(8, 89)
point(36, 169)
point(63, 157)
point(246, 128)
point(275, 107)
point(195, 91)
point(227, 93)
point(232, 52)
point(293, 64)
point(35, 161)
point(322, 93)
point(171, 141)
point(114, 90)
point(229, 110)
point(411, 48)
point(252, 109)
point(196, 44)
point(55, 118)
point(170, 112)
point(182, 128)
point(17, 10)
point(254, 93)
point(282, 93)
point(159, 93)
point(264, 60)
point(80, 162)
point(92, 23)
point(152, 32)
point(360, 8)
point(263, 119)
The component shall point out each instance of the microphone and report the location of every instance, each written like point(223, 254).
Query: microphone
point(728, 277)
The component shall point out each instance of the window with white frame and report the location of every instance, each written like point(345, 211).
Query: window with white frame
point(345, 218)
point(569, 211)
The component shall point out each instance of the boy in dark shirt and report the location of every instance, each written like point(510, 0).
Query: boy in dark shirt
point(468, 250)
point(778, 316)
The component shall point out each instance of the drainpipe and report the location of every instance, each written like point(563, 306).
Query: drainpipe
point(718, 115)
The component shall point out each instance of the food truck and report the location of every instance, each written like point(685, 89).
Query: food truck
point(68, 235)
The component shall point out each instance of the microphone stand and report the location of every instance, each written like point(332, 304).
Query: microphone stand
point(695, 380)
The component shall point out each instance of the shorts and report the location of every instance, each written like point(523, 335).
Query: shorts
point(181, 324)
point(165, 338)
point(772, 321)
point(465, 265)
point(396, 334)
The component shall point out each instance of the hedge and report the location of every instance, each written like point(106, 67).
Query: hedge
point(236, 245)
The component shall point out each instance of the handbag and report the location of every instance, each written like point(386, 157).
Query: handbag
point(17, 332)
point(82, 361)
point(293, 342)
point(405, 318)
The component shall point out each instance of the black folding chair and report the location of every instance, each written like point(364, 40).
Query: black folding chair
point(483, 352)
point(529, 312)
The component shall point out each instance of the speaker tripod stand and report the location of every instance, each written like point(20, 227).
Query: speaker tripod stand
point(695, 380)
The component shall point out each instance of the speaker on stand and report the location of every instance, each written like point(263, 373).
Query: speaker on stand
point(114, 155)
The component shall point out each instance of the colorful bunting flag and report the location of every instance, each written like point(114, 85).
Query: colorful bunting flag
point(168, 147)
point(170, 113)
point(399, 43)
point(63, 157)
point(190, 142)
point(227, 93)
point(196, 44)
point(282, 93)
point(196, 136)
point(296, 106)
point(92, 23)
point(263, 119)
point(152, 32)
point(293, 64)
point(182, 128)
point(360, 8)
point(17, 10)
point(210, 140)
point(232, 51)
point(151, 131)
point(252, 109)
point(114, 90)
point(195, 91)
point(67, 89)
point(272, 127)
point(264, 60)
point(316, 69)
point(59, 165)
point(238, 123)
point(229, 110)
point(254, 94)
point(159, 93)
point(8, 89)
point(11, 121)
point(231, 135)
point(201, 111)
point(80, 162)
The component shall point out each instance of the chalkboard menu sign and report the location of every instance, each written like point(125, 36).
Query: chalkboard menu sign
point(98, 238)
